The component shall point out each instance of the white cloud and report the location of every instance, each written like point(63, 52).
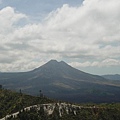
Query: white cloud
point(8, 17)
point(90, 32)
point(103, 63)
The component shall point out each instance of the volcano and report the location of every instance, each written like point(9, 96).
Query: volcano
point(61, 81)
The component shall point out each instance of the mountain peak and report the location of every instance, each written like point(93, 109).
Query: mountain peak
point(53, 67)
point(55, 62)
point(52, 62)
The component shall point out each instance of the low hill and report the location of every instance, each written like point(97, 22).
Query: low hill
point(61, 81)
point(112, 77)
point(18, 106)
point(11, 102)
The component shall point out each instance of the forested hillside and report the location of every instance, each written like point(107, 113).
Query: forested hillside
point(25, 107)
point(62, 111)
point(11, 102)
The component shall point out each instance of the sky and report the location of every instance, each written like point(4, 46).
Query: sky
point(85, 34)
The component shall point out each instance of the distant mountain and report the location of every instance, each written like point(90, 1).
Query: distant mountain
point(112, 77)
point(61, 81)
point(54, 69)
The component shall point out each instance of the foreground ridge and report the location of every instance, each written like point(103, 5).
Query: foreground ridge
point(63, 111)
point(18, 106)
point(50, 107)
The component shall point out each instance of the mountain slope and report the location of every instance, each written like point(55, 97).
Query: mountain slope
point(61, 81)
point(61, 69)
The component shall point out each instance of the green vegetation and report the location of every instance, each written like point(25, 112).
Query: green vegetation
point(11, 102)
point(91, 113)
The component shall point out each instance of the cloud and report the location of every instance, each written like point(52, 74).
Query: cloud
point(89, 33)
point(104, 63)
point(8, 18)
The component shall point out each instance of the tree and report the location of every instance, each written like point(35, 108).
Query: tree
point(41, 94)
point(0, 86)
